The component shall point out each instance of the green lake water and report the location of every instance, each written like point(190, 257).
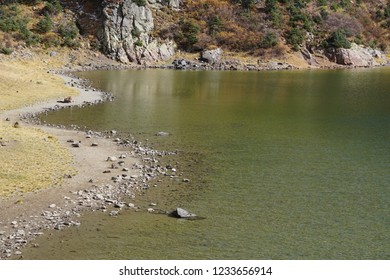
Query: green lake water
point(283, 165)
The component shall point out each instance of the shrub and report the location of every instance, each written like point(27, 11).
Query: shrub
point(138, 43)
point(270, 40)
point(6, 51)
point(338, 39)
point(68, 33)
point(140, 2)
point(295, 37)
point(44, 25)
point(52, 7)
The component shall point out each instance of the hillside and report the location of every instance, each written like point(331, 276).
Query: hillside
point(148, 31)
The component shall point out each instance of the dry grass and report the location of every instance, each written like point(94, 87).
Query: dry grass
point(25, 82)
point(30, 160)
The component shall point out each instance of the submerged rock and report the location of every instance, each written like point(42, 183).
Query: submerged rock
point(181, 213)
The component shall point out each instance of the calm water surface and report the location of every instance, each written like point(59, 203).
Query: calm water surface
point(283, 165)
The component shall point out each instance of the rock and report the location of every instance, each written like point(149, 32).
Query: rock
point(20, 232)
point(150, 210)
point(212, 56)
point(94, 144)
point(114, 213)
point(185, 180)
point(152, 204)
point(14, 223)
point(131, 205)
point(112, 158)
point(182, 214)
point(126, 32)
point(67, 99)
point(162, 133)
point(357, 56)
point(53, 53)
point(76, 145)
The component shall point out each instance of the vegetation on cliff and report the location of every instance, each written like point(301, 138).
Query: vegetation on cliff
point(257, 27)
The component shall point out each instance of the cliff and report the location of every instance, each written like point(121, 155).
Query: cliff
point(306, 32)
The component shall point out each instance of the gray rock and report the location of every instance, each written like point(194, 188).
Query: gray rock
point(126, 32)
point(212, 56)
point(162, 133)
point(112, 158)
point(358, 56)
point(182, 214)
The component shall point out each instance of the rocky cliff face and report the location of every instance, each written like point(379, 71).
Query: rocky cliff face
point(126, 29)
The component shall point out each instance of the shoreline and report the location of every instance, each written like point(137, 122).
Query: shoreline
point(109, 170)
point(101, 183)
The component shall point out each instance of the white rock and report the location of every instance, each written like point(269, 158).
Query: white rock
point(112, 158)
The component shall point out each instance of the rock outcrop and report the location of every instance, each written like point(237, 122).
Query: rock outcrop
point(125, 34)
point(357, 56)
point(212, 56)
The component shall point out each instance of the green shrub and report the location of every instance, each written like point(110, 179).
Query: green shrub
point(338, 39)
point(44, 25)
point(138, 43)
point(6, 51)
point(270, 40)
point(69, 33)
point(295, 37)
point(52, 7)
point(140, 2)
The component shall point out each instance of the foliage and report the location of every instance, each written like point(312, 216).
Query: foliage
point(270, 40)
point(6, 51)
point(187, 37)
point(68, 33)
point(140, 2)
point(295, 37)
point(338, 39)
point(44, 25)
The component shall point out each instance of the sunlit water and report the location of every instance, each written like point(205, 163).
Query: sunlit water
point(283, 165)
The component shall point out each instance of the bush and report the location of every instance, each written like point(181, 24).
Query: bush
point(44, 25)
point(6, 51)
point(68, 33)
point(270, 40)
point(338, 39)
point(295, 38)
point(52, 7)
point(187, 37)
point(140, 2)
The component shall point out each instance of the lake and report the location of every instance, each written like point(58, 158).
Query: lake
point(282, 165)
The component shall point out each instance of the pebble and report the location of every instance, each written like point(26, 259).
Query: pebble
point(112, 158)
point(94, 144)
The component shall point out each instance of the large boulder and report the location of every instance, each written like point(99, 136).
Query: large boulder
point(358, 56)
point(126, 30)
point(212, 56)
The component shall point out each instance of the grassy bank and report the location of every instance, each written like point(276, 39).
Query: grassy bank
point(30, 158)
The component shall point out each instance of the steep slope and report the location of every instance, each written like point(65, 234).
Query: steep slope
point(145, 31)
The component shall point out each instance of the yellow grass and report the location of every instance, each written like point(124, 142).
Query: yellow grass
point(30, 160)
point(25, 82)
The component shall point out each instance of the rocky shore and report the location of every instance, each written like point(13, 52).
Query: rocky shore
point(111, 170)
